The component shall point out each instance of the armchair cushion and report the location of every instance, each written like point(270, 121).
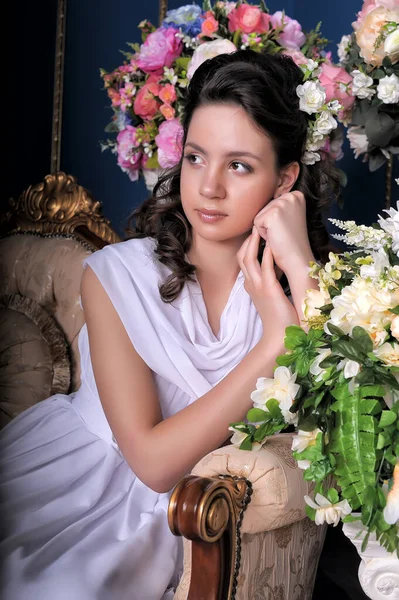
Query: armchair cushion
point(34, 361)
point(277, 482)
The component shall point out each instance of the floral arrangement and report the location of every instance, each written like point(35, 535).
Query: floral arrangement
point(337, 386)
point(370, 54)
point(147, 90)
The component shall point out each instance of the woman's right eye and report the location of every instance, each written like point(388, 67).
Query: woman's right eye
point(193, 159)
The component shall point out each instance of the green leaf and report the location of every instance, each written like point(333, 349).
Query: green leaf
point(348, 349)
point(333, 496)
point(285, 360)
point(334, 330)
point(387, 418)
point(310, 512)
point(274, 409)
point(246, 444)
point(395, 310)
point(363, 339)
point(256, 415)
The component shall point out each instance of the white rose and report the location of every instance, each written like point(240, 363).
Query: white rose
point(388, 89)
point(388, 353)
point(304, 439)
point(343, 48)
point(209, 50)
point(391, 45)
point(395, 327)
point(310, 158)
point(358, 140)
point(325, 123)
point(311, 95)
point(361, 85)
point(282, 388)
point(327, 512)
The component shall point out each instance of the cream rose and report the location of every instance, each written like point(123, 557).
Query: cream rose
point(312, 96)
point(388, 89)
point(391, 45)
point(388, 353)
point(369, 30)
point(209, 50)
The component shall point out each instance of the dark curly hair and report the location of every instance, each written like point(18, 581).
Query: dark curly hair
point(264, 85)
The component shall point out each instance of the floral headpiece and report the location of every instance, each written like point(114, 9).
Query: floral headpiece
point(312, 100)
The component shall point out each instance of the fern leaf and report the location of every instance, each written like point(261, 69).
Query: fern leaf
point(354, 444)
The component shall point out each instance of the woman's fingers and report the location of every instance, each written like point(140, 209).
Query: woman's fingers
point(251, 257)
point(240, 256)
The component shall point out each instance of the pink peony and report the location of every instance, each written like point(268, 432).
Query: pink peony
point(368, 30)
point(292, 36)
point(248, 19)
point(145, 103)
point(129, 157)
point(169, 140)
point(209, 50)
point(336, 81)
point(297, 56)
point(160, 49)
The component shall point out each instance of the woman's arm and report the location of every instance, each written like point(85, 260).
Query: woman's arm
point(160, 451)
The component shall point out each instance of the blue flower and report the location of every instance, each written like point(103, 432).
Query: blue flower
point(122, 120)
point(186, 18)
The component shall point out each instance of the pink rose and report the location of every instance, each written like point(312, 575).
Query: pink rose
point(128, 156)
point(297, 56)
point(169, 140)
point(210, 25)
point(292, 36)
point(145, 104)
point(167, 111)
point(168, 94)
point(248, 19)
point(336, 81)
point(160, 49)
point(114, 96)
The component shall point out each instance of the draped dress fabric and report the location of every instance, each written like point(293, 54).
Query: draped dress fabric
point(75, 520)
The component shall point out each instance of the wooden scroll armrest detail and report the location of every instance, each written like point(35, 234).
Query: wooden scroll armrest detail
point(209, 512)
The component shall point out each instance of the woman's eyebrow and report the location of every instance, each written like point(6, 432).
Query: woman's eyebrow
point(228, 154)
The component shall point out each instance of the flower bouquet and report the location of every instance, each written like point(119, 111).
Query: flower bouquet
point(337, 386)
point(371, 56)
point(147, 90)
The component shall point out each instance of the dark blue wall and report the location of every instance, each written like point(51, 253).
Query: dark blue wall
point(98, 29)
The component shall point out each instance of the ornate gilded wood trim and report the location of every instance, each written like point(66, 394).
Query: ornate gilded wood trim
point(209, 512)
point(58, 87)
point(59, 206)
point(163, 7)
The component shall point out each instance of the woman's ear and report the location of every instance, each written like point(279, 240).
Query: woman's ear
point(287, 178)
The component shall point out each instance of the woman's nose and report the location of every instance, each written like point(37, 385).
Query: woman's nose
point(212, 185)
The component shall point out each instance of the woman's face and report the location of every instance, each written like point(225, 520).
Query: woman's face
point(228, 174)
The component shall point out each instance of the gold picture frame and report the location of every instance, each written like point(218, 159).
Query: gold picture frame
point(59, 80)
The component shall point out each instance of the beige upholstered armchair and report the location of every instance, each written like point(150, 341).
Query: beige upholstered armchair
point(242, 515)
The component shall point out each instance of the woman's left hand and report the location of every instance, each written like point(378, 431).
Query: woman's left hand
point(282, 223)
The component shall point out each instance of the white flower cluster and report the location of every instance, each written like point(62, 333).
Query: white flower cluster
point(391, 226)
point(387, 89)
point(360, 236)
point(344, 48)
point(312, 100)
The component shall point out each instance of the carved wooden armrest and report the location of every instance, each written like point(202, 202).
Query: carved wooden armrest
point(209, 512)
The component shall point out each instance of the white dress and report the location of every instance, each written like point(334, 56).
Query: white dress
point(76, 523)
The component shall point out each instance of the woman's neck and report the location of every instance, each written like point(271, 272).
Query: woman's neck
point(215, 259)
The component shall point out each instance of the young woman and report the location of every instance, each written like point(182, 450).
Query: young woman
point(180, 322)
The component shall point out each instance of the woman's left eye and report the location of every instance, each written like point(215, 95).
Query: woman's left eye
point(240, 167)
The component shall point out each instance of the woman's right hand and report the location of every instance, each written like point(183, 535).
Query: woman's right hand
point(261, 283)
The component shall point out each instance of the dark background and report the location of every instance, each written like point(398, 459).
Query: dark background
point(96, 31)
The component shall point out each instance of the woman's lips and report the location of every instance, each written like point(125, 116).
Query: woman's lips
point(210, 216)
